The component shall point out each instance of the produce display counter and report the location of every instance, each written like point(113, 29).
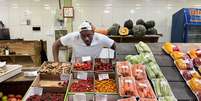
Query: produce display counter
point(181, 91)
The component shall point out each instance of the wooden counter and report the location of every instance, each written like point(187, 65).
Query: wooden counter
point(27, 53)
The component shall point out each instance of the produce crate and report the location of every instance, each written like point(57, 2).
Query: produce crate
point(106, 78)
point(83, 64)
point(55, 71)
point(103, 65)
point(46, 88)
point(106, 97)
point(77, 77)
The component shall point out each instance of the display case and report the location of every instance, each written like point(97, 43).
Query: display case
point(186, 25)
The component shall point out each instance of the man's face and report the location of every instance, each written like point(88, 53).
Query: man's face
point(87, 36)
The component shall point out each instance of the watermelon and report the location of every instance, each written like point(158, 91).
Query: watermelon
point(128, 24)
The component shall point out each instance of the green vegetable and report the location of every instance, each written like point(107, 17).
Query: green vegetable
point(142, 47)
point(139, 30)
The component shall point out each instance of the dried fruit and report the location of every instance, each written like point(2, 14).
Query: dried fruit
point(105, 86)
point(55, 68)
point(82, 86)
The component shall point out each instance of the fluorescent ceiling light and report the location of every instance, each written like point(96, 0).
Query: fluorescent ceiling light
point(106, 11)
point(138, 5)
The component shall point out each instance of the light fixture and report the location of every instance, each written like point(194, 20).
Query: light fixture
point(138, 8)
point(138, 5)
point(106, 11)
point(36, 0)
point(196, 5)
point(108, 5)
point(132, 11)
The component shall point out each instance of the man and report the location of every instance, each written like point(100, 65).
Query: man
point(84, 43)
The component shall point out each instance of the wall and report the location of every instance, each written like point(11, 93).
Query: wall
point(102, 13)
point(41, 13)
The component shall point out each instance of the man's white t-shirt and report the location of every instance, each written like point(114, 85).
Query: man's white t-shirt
point(80, 49)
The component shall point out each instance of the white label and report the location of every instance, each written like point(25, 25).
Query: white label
point(86, 58)
point(124, 66)
point(82, 75)
point(199, 51)
point(79, 97)
point(143, 85)
point(103, 76)
point(186, 61)
point(139, 70)
point(101, 97)
point(107, 53)
point(128, 81)
point(64, 77)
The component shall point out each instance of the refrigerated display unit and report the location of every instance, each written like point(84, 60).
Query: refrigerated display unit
point(186, 26)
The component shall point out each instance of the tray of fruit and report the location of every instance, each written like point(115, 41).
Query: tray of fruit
point(197, 63)
point(138, 72)
point(179, 55)
point(105, 83)
point(195, 84)
point(145, 90)
point(55, 68)
point(161, 88)
point(123, 68)
point(169, 47)
point(47, 97)
point(82, 64)
point(127, 87)
point(189, 74)
point(103, 65)
point(81, 82)
point(184, 64)
point(193, 53)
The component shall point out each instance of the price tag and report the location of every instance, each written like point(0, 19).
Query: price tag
point(128, 81)
point(82, 75)
point(100, 97)
point(86, 58)
point(79, 97)
point(199, 51)
point(124, 66)
point(143, 85)
point(186, 61)
point(103, 76)
point(64, 77)
point(139, 70)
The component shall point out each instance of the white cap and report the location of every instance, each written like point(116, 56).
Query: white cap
point(85, 26)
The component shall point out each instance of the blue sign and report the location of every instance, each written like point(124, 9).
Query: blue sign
point(193, 16)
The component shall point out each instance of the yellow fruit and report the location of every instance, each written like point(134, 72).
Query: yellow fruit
point(123, 31)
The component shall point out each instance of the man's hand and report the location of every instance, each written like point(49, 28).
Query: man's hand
point(55, 50)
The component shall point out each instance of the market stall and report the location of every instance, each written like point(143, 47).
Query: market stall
point(180, 90)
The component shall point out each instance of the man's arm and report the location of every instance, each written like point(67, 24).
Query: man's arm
point(55, 50)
